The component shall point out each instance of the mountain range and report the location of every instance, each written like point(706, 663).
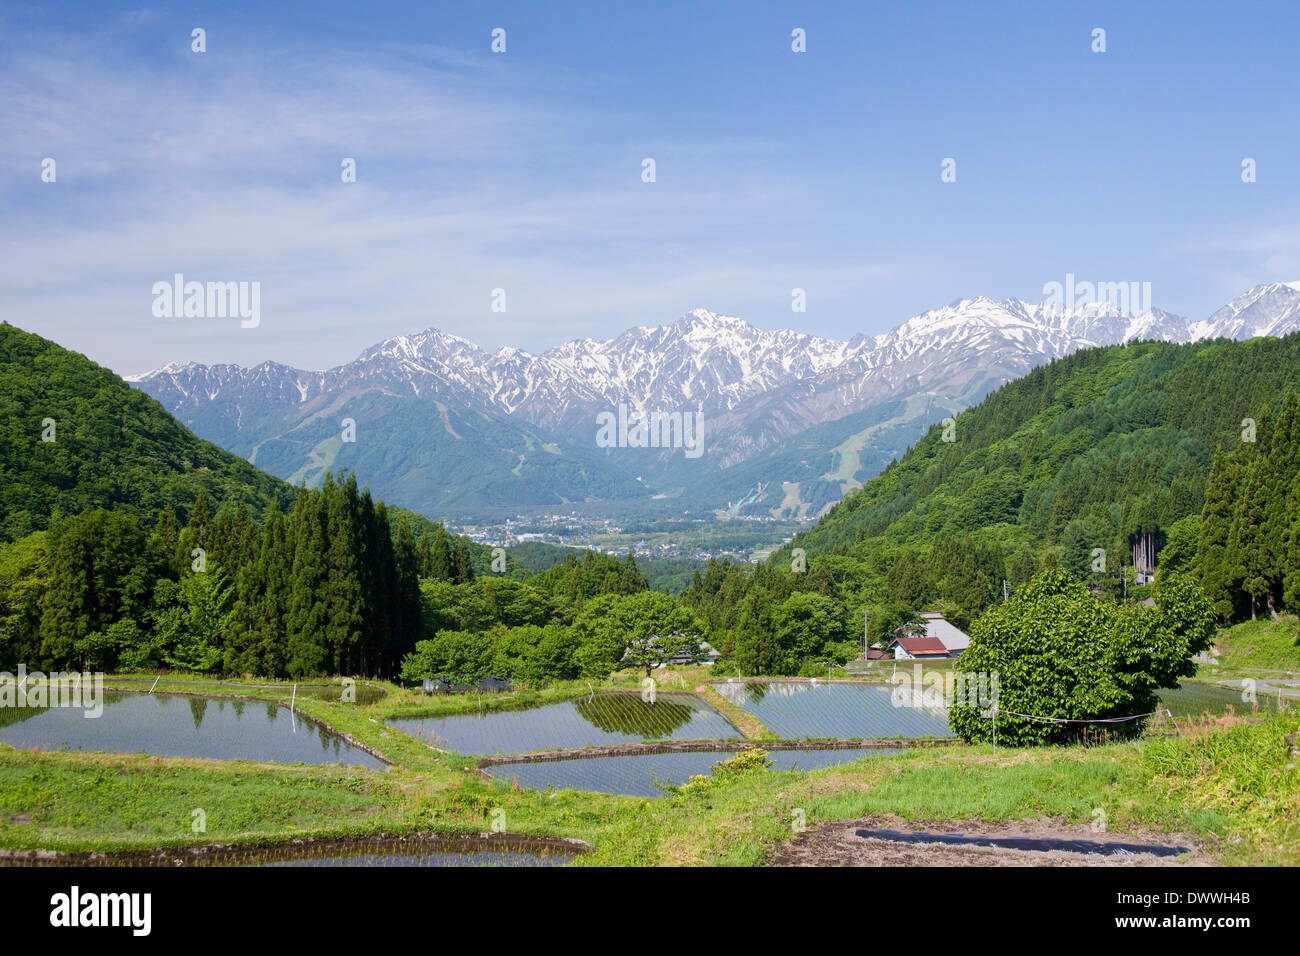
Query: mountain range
point(791, 421)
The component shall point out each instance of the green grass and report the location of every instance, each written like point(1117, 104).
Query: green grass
point(1263, 643)
point(97, 801)
point(1245, 780)
point(741, 719)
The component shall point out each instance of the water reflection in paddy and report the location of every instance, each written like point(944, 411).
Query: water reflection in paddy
point(1193, 699)
point(595, 720)
point(183, 726)
point(800, 709)
point(636, 775)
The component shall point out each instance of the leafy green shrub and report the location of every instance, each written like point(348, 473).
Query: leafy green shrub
point(746, 762)
point(1060, 652)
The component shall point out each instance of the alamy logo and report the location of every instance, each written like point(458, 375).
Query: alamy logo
point(632, 429)
point(1129, 298)
point(208, 300)
point(58, 689)
point(937, 689)
point(74, 908)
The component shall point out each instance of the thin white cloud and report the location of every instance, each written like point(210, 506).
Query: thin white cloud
point(473, 174)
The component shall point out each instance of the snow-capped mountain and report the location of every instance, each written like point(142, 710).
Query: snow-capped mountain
point(712, 362)
point(756, 390)
point(1271, 309)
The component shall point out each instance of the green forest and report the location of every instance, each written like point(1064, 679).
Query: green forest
point(1193, 447)
point(74, 437)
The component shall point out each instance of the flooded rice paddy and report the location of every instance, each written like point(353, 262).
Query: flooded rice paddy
point(596, 720)
point(173, 725)
point(1193, 699)
point(419, 850)
point(798, 710)
point(637, 775)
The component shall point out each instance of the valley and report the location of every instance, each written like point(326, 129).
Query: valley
point(451, 431)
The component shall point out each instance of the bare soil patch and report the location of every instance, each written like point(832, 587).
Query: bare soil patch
point(836, 843)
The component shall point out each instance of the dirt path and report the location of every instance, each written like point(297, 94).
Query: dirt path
point(836, 843)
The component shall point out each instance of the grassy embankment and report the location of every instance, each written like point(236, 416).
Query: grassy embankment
point(1236, 788)
point(1253, 647)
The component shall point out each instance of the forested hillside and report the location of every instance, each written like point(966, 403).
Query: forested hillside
point(74, 437)
point(1101, 450)
point(126, 542)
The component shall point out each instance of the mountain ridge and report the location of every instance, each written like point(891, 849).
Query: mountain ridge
point(757, 389)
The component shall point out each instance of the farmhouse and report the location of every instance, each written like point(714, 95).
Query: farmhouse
point(953, 638)
point(691, 652)
point(918, 648)
point(704, 654)
point(942, 639)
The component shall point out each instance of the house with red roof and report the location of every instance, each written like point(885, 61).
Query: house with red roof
point(918, 648)
point(942, 639)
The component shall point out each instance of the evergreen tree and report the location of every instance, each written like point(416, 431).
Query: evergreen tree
point(164, 543)
point(461, 568)
point(307, 648)
point(1282, 465)
point(377, 617)
point(234, 537)
point(426, 556)
point(195, 534)
point(98, 574)
point(1214, 562)
point(24, 570)
point(1291, 552)
point(1248, 543)
point(407, 626)
point(755, 651)
point(440, 566)
point(270, 652)
point(342, 586)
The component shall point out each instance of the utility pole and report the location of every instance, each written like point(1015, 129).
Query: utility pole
point(865, 615)
point(1004, 590)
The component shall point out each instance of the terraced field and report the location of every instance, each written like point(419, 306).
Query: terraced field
point(801, 710)
point(597, 720)
point(636, 775)
point(1192, 699)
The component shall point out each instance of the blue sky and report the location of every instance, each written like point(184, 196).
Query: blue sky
point(522, 170)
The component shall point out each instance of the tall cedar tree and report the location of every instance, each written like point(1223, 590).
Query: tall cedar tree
point(1213, 563)
point(307, 648)
point(461, 569)
point(406, 623)
point(342, 590)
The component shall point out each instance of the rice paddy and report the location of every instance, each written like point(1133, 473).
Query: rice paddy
point(184, 726)
point(798, 710)
point(638, 775)
point(595, 720)
point(482, 850)
point(1192, 699)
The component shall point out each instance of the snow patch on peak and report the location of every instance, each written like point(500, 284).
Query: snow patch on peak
point(698, 317)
